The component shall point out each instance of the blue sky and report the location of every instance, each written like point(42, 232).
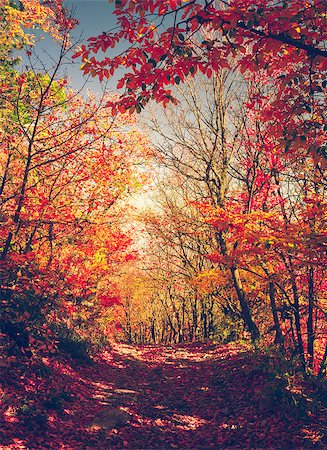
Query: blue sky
point(95, 16)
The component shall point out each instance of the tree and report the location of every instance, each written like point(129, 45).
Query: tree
point(281, 51)
point(172, 40)
point(66, 162)
point(269, 226)
point(198, 140)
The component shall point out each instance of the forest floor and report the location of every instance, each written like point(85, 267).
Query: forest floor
point(184, 397)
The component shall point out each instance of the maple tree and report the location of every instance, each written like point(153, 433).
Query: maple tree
point(173, 40)
point(261, 226)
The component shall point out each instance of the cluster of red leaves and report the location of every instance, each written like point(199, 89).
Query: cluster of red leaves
point(172, 40)
point(177, 397)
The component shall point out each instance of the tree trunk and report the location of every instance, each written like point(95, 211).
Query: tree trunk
point(237, 283)
point(245, 310)
point(279, 338)
point(310, 330)
point(297, 318)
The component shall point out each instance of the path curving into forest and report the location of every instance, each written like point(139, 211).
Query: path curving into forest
point(185, 397)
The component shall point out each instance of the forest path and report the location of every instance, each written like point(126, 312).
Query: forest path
point(185, 397)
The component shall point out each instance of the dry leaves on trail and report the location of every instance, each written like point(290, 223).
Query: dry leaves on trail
point(194, 396)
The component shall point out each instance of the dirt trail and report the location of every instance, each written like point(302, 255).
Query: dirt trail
point(175, 397)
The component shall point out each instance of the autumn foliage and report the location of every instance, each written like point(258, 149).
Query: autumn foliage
point(66, 162)
point(201, 224)
point(172, 40)
point(266, 211)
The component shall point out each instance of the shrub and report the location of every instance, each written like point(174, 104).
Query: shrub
point(76, 347)
point(72, 344)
